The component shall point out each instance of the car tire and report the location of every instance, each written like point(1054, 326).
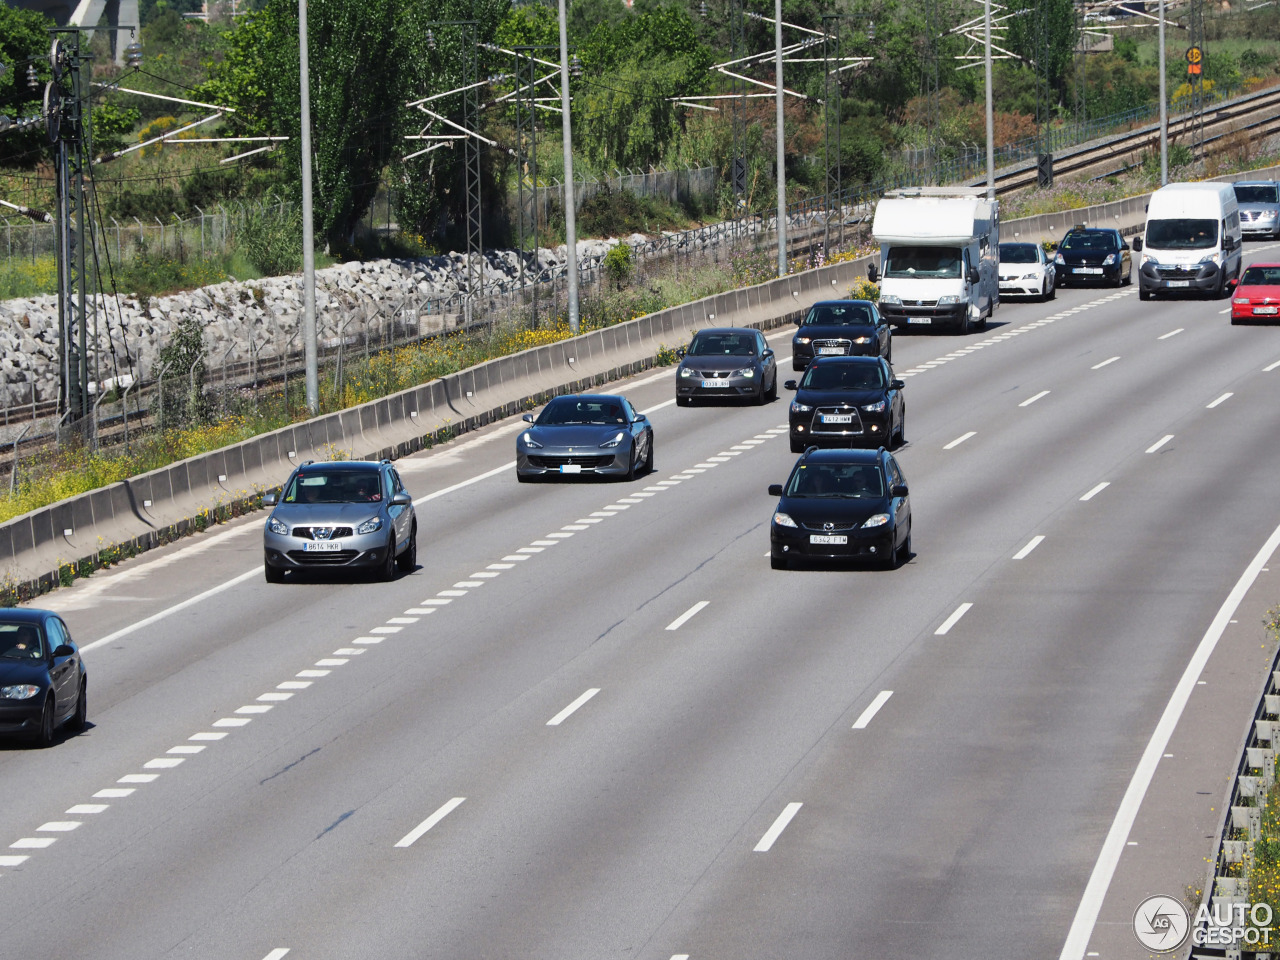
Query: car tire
point(388, 571)
point(648, 457)
point(1053, 291)
point(904, 551)
point(902, 427)
point(772, 395)
point(888, 357)
point(962, 328)
point(797, 446)
point(272, 573)
point(44, 736)
point(778, 561)
point(631, 465)
point(408, 561)
point(80, 719)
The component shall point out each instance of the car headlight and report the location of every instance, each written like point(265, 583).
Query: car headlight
point(527, 439)
point(1060, 259)
point(369, 526)
point(1031, 276)
point(1211, 258)
point(1266, 214)
point(782, 520)
point(747, 372)
point(1110, 261)
point(277, 527)
point(877, 407)
point(876, 520)
point(686, 372)
point(862, 340)
point(615, 441)
point(890, 299)
point(803, 340)
point(25, 691)
point(797, 407)
point(949, 300)
point(1244, 302)
point(1148, 258)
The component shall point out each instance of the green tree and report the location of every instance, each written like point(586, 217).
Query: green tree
point(1045, 33)
point(24, 40)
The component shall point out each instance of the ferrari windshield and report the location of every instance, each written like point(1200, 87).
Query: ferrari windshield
point(564, 411)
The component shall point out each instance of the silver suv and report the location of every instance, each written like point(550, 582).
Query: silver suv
point(350, 514)
point(1259, 203)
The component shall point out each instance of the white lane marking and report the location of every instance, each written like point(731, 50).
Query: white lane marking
point(331, 662)
point(679, 956)
point(33, 843)
point(952, 620)
point(1225, 396)
point(466, 483)
point(231, 722)
point(114, 793)
point(779, 825)
point(162, 763)
point(277, 954)
point(141, 777)
point(185, 748)
point(576, 526)
point(167, 611)
point(376, 639)
point(960, 439)
point(1030, 400)
point(83, 808)
point(452, 593)
point(1100, 879)
point(420, 611)
point(439, 601)
point(715, 460)
point(15, 861)
point(1271, 367)
point(500, 566)
point(461, 585)
point(274, 697)
point(209, 736)
point(386, 630)
point(1160, 443)
point(688, 615)
point(403, 620)
point(1099, 366)
point(881, 699)
point(58, 826)
point(564, 714)
point(485, 574)
point(1171, 333)
point(657, 406)
point(514, 557)
point(531, 550)
point(566, 534)
point(305, 674)
point(623, 506)
point(1031, 545)
point(1221, 312)
point(412, 837)
point(294, 685)
point(1096, 490)
point(552, 543)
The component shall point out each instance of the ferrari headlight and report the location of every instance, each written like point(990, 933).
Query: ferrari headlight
point(25, 691)
point(615, 441)
point(369, 526)
point(782, 520)
point(277, 527)
point(876, 520)
point(797, 407)
point(527, 439)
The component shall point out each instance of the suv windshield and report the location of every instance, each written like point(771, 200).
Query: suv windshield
point(723, 344)
point(843, 376)
point(571, 410)
point(1018, 253)
point(908, 262)
point(345, 486)
point(21, 641)
point(844, 315)
point(1257, 193)
point(836, 480)
point(1088, 242)
point(1182, 234)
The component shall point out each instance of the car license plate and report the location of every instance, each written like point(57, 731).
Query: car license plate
point(1179, 283)
point(828, 538)
point(1264, 310)
point(1086, 269)
point(919, 320)
point(714, 384)
point(825, 350)
point(321, 546)
point(837, 418)
point(570, 468)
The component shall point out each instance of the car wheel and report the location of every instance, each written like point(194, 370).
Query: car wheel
point(772, 395)
point(797, 446)
point(408, 561)
point(962, 328)
point(80, 718)
point(904, 551)
point(388, 571)
point(272, 573)
point(631, 465)
point(778, 561)
point(648, 457)
point(44, 736)
point(1053, 291)
point(902, 427)
point(889, 353)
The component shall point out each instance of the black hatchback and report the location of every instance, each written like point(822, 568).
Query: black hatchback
point(1089, 254)
point(43, 683)
point(841, 328)
point(847, 401)
point(842, 505)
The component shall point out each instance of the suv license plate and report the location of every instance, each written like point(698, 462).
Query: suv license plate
point(919, 320)
point(828, 538)
point(837, 418)
point(1179, 283)
point(321, 546)
point(570, 468)
point(714, 384)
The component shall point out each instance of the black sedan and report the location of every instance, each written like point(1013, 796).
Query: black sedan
point(727, 363)
point(585, 434)
point(841, 328)
point(1093, 253)
point(43, 683)
point(847, 401)
point(842, 505)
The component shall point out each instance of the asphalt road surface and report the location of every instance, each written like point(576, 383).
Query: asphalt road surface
point(594, 723)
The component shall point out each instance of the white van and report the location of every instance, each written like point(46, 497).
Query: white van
point(1192, 241)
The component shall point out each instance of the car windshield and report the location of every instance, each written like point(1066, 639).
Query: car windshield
point(21, 641)
point(723, 345)
point(1182, 234)
point(1089, 242)
point(836, 481)
point(907, 262)
point(1261, 276)
point(574, 410)
point(1018, 253)
point(843, 376)
point(335, 486)
point(1257, 193)
point(840, 315)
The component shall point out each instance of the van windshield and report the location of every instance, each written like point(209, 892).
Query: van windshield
point(1257, 193)
point(908, 262)
point(1182, 234)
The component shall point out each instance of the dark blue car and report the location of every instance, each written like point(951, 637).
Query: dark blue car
point(841, 328)
point(43, 684)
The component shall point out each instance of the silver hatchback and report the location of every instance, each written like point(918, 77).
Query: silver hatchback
point(352, 514)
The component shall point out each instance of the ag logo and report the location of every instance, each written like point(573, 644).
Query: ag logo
point(1161, 923)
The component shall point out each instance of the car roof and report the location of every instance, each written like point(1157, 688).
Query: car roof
point(751, 330)
point(857, 360)
point(843, 303)
point(24, 615)
point(1271, 266)
point(1254, 183)
point(343, 466)
point(1110, 230)
point(590, 397)
point(843, 455)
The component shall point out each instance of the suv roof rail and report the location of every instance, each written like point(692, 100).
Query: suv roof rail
point(810, 449)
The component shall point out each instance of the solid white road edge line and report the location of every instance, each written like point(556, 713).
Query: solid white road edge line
point(564, 714)
point(779, 825)
point(1031, 545)
point(688, 615)
point(952, 620)
point(466, 483)
point(412, 837)
point(881, 699)
point(1096, 889)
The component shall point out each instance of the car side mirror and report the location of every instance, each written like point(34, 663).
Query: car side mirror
point(402, 499)
point(766, 354)
point(973, 276)
point(1233, 283)
point(527, 418)
point(269, 499)
point(897, 384)
point(899, 490)
point(789, 385)
point(640, 418)
point(1137, 244)
point(64, 650)
point(680, 353)
point(775, 489)
point(873, 273)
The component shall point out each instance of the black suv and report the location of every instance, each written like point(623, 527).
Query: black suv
point(841, 328)
point(847, 401)
point(842, 505)
point(1093, 253)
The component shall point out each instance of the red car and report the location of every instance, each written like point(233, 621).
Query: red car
point(1257, 295)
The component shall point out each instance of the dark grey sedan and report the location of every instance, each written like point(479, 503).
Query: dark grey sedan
point(723, 363)
point(579, 434)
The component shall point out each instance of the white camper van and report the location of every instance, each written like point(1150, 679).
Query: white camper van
point(1191, 242)
point(939, 258)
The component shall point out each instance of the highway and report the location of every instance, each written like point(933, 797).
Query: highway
point(594, 723)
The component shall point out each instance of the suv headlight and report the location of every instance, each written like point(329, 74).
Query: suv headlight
point(782, 520)
point(615, 441)
point(877, 407)
point(369, 526)
point(797, 407)
point(876, 520)
point(25, 691)
point(527, 439)
point(747, 372)
point(948, 301)
point(890, 299)
point(277, 527)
